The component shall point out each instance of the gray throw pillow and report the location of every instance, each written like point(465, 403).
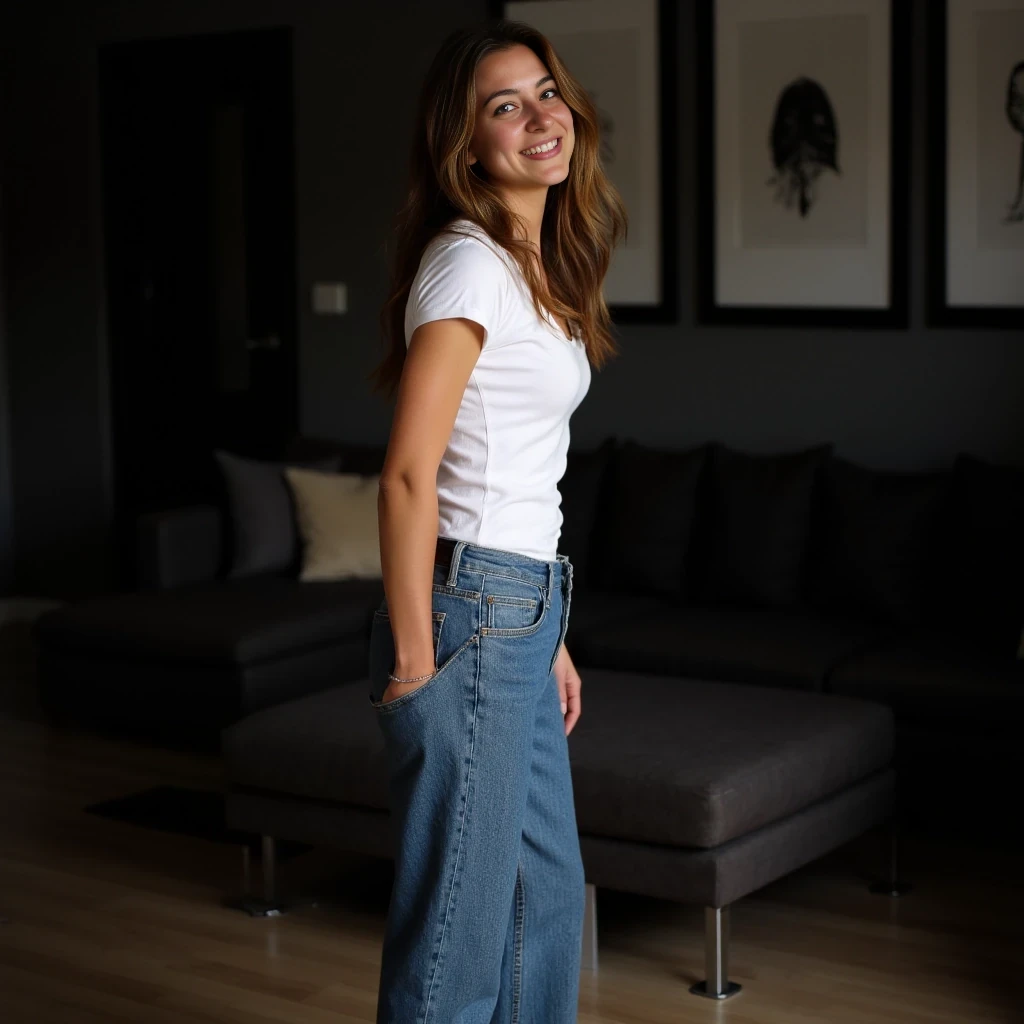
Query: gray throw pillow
point(262, 513)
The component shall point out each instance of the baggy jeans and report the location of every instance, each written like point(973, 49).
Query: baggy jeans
point(485, 920)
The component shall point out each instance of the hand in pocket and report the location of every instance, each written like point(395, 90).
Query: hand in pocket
point(382, 661)
point(395, 690)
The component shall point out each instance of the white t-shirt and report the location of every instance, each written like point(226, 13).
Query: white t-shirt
point(497, 482)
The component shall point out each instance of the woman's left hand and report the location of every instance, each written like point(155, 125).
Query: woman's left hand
point(568, 688)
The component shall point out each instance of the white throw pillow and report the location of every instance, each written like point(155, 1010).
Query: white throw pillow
point(336, 515)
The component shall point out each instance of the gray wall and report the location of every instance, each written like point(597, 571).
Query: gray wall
point(900, 399)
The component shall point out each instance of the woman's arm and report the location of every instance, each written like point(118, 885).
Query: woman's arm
point(439, 361)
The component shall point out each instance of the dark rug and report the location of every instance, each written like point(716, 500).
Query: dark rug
point(188, 812)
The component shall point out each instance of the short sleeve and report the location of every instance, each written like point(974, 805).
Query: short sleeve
point(463, 277)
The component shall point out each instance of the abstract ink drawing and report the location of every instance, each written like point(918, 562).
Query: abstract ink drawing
point(1015, 112)
point(804, 141)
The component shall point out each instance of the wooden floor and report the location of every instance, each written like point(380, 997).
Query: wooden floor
point(103, 922)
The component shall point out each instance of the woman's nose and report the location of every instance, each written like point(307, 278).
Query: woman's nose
point(541, 118)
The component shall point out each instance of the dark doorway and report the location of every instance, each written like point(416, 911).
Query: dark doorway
point(199, 221)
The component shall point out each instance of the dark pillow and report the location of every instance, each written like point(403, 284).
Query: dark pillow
point(876, 541)
point(644, 518)
point(580, 488)
point(261, 513)
point(757, 523)
point(987, 544)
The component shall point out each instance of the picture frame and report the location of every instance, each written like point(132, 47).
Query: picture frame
point(976, 156)
point(624, 55)
point(803, 162)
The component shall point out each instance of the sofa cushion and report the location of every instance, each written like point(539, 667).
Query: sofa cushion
point(933, 678)
point(874, 548)
point(580, 489)
point(772, 647)
point(324, 746)
point(987, 545)
point(714, 762)
point(230, 622)
point(754, 527)
point(646, 512)
point(717, 760)
point(261, 516)
point(175, 546)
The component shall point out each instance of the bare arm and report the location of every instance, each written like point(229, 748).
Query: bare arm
point(441, 356)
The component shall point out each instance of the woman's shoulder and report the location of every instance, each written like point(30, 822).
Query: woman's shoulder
point(463, 232)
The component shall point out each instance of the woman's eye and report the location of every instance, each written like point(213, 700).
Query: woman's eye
point(499, 109)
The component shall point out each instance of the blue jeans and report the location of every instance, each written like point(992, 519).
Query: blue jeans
point(485, 920)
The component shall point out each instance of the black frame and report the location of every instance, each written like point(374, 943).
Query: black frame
point(666, 311)
point(896, 315)
point(940, 314)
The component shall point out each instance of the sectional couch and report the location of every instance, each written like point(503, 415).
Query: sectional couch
point(797, 570)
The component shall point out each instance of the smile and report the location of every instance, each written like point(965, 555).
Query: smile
point(545, 154)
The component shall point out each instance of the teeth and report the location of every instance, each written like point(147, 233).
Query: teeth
point(541, 149)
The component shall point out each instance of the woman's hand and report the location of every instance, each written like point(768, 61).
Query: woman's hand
point(568, 688)
point(395, 690)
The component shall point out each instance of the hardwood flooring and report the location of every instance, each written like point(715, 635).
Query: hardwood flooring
point(103, 922)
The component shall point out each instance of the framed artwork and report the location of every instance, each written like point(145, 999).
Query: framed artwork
point(624, 56)
point(803, 162)
point(976, 208)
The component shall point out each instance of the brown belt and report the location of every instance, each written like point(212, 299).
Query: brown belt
point(443, 554)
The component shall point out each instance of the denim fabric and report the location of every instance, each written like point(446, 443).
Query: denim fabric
point(485, 920)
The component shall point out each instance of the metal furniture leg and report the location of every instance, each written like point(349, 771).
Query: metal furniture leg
point(588, 960)
point(892, 886)
point(267, 904)
point(716, 984)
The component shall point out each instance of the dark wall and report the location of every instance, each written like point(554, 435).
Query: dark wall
point(7, 569)
point(6, 498)
point(894, 398)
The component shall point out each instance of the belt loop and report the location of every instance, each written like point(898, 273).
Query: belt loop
point(566, 572)
point(453, 568)
point(551, 579)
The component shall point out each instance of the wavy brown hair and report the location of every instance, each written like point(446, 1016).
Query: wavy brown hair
point(584, 216)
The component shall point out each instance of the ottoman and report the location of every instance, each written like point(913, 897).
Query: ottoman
point(686, 790)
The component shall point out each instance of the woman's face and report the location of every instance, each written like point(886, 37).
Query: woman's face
point(527, 110)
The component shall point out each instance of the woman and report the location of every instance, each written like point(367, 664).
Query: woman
point(496, 313)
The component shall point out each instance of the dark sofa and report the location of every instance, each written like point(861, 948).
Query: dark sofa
point(797, 570)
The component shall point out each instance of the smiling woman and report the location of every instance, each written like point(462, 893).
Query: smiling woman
point(535, 124)
point(495, 316)
point(558, 216)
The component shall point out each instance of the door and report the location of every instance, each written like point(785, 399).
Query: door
point(198, 204)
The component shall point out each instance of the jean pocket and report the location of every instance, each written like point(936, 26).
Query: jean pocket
point(512, 607)
point(382, 655)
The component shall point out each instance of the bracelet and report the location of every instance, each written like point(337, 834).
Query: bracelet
point(414, 679)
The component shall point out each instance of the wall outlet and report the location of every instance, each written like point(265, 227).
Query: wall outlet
point(330, 298)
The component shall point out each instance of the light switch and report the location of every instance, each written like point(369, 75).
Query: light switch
point(330, 297)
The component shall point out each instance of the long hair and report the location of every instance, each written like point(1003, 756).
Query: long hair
point(584, 216)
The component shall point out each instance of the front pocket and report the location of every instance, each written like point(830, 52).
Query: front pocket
point(406, 698)
point(505, 612)
point(382, 653)
point(512, 607)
